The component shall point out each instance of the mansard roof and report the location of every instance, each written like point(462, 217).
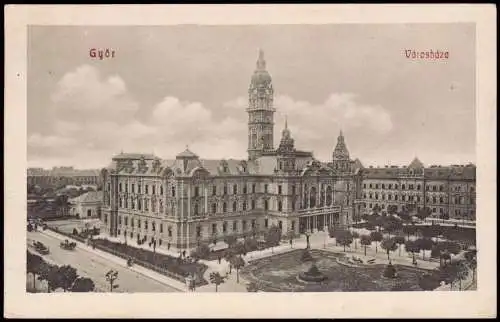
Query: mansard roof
point(416, 164)
point(454, 172)
point(134, 156)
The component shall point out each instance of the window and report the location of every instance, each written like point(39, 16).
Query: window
point(266, 222)
point(396, 197)
point(376, 196)
point(253, 204)
point(173, 191)
point(441, 200)
point(119, 220)
point(441, 188)
point(121, 202)
point(293, 205)
point(224, 227)
point(293, 225)
point(198, 231)
point(139, 205)
point(225, 189)
point(196, 210)
point(389, 197)
point(126, 221)
point(280, 206)
point(266, 205)
point(293, 190)
point(244, 205)
point(161, 228)
point(244, 225)
point(370, 185)
point(146, 204)
point(376, 186)
point(265, 188)
point(433, 188)
point(147, 189)
point(146, 224)
point(214, 228)
point(434, 200)
point(153, 189)
point(138, 188)
point(133, 188)
point(132, 222)
point(364, 185)
point(418, 187)
point(109, 186)
point(138, 223)
point(403, 187)
point(253, 188)
point(390, 186)
point(153, 226)
point(169, 231)
point(161, 190)
point(214, 190)
point(279, 189)
point(196, 191)
point(383, 186)
point(253, 223)
point(234, 206)
point(245, 189)
point(120, 189)
point(224, 207)
point(235, 189)
point(396, 186)
point(214, 208)
point(131, 235)
point(410, 187)
point(126, 187)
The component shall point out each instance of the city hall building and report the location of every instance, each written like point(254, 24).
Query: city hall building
point(190, 199)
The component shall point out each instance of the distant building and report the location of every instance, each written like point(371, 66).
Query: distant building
point(448, 191)
point(87, 205)
point(61, 176)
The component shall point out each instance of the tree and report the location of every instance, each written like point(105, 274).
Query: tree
point(392, 209)
point(462, 272)
point(238, 262)
point(67, 276)
point(391, 224)
point(345, 238)
point(50, 274)
point(376, 236)
point(471, 260)
point(428, 282)
point(217, 279)
point(389, 245)
point(409, 229)
point(230, 240)
point(252, 287)
point(111, 276)
point(448, 274)
point(399, 240)
point(239, 248)
point(424, 244)
point(33, 265)
point(355, 236)
point(424, 213)
point(228, 256)
point(201, 252)
point(83, 284)
point(250, 244)
point(365, 241)
point(412, 247)
point(273, 237)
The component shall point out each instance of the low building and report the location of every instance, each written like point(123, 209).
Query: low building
point(87, 205)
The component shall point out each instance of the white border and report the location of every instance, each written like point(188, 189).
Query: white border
point(18, 303)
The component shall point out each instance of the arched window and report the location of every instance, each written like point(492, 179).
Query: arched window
point(235, 189)
point(234, 206)
point(312, 199)
point(214, 208)
point(244, 205)
point(329, 196)
point(173, 191)
point(224, 207)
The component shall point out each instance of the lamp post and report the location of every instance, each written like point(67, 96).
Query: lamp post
point(308, 234)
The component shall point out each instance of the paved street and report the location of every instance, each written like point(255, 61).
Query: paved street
point(95, 267)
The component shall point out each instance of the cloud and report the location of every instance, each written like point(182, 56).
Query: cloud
point(94, 117)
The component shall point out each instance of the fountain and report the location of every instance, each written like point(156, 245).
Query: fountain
point(313, 274)
point(390, 271)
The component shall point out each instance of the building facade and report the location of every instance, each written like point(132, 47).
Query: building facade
point(448, 191)
point(187, 200)
point(87, 205)
point(62, 176)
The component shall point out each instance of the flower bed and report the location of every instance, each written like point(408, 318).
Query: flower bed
point(214, 255)
point(172, 267)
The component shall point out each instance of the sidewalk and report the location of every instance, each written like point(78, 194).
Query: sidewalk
point(117, 260)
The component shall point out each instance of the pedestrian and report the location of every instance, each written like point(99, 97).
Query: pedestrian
point(168, 246)
point(184, 253)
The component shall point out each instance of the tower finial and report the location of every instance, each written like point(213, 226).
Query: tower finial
point(341, 134)
point(286, 122)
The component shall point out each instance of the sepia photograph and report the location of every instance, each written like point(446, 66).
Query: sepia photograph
point(262, 158)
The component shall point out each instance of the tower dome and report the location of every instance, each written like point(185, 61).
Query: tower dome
point(261, 77)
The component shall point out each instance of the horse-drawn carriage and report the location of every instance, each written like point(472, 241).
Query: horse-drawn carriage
point(40, 248)
point(68, 245)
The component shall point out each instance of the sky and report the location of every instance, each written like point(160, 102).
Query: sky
point(169, 87)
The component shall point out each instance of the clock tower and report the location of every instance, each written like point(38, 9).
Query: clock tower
point(341, 161)
point(260, 111)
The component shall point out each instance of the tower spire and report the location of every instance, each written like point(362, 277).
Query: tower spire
point(286, 122)
point(261, 63)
